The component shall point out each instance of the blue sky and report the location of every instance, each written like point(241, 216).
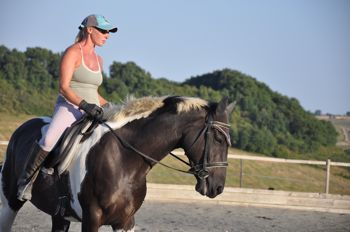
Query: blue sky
point(300, 48)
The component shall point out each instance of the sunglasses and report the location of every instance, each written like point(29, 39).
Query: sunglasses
point(102, 31)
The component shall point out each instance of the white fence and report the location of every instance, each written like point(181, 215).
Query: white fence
point(328, 163)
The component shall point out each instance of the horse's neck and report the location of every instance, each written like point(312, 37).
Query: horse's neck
point(158, 138)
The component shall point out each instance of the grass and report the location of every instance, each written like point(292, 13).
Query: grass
point(259, 175)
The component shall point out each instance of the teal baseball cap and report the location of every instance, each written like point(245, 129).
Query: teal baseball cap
point(98, 21)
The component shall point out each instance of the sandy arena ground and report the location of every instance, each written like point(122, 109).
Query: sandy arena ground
point(177, 217)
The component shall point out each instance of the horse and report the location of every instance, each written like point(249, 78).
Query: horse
point(106, 181)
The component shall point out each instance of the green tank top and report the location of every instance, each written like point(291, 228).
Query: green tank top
point(85, 81)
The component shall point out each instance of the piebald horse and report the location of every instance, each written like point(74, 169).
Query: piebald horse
point(106, 181)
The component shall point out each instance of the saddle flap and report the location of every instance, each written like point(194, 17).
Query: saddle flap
point(63, 153)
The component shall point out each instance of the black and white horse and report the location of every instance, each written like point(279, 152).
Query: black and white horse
point(107, 179)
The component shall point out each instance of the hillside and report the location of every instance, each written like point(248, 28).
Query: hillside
point(264, 121)
point(342, 125)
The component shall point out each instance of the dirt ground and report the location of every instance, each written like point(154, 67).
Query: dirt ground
point(177, 217)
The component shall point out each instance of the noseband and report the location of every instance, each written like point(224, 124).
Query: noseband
point(200, 170)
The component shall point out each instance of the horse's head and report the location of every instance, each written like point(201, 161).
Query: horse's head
point(206, 145)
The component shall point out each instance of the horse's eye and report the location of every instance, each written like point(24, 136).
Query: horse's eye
point(218, 137)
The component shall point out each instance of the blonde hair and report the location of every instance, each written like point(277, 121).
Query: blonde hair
point(82, 34)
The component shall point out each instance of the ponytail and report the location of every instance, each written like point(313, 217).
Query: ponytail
point(82, 34)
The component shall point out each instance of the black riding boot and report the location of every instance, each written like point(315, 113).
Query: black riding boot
point(30, 171)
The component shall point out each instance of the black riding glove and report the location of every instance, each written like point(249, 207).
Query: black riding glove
point(92, 110)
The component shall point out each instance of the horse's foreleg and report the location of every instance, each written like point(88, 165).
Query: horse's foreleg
point(91, 220)
point(131, 230)
point(59, 224)
point(128, 227)
point(89, 226)
point(122, 230)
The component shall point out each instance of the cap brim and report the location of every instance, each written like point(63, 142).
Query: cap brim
point(113, 30)
point(109, 28)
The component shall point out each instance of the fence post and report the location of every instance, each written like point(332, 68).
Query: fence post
point(241, 174)
point(328, 164)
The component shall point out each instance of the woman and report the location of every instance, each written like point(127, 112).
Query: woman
point(80, 76)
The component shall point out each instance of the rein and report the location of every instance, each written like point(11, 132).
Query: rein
point(128, 145)
point(199, 170)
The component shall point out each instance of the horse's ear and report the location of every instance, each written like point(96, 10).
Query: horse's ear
point(230, 107)
point(223, 107)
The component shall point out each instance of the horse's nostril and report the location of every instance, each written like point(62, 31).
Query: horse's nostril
point(219, 189)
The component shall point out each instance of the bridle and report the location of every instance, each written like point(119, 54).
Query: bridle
point(200, 170)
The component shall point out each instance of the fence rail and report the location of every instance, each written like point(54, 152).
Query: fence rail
point(292, 161)
point(5, 143)
point(328, 163)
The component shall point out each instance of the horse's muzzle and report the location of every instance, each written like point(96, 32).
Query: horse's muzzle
point(204, 187)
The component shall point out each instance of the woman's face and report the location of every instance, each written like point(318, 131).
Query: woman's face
point(99, 36)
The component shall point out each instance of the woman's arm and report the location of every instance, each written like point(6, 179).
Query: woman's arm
point(102, 100)
point(69, 62)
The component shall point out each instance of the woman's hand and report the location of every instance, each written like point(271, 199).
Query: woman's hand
point(92, 110)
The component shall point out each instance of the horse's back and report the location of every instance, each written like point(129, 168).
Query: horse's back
point(22, 140)
point(17, 150)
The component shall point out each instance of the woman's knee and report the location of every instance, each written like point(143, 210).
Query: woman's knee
point(47, 143)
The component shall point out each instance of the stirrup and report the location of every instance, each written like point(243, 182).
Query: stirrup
point(24, 192)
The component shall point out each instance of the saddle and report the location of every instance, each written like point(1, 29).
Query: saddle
point(63, 152)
